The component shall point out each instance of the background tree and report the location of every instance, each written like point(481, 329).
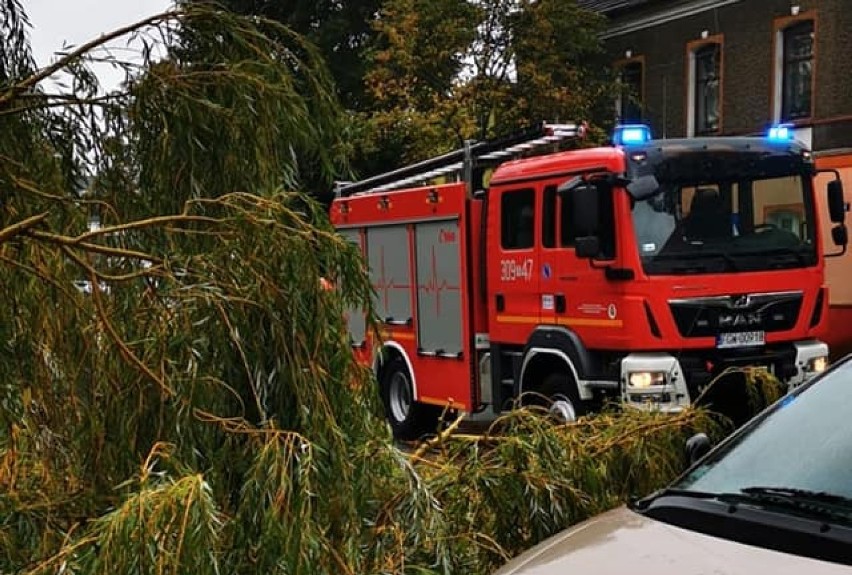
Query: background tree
point(414, 110)
point(419, 77)
point(341, 30)
point(561, 71)
point(449, 71)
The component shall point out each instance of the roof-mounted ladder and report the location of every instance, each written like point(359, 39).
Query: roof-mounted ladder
point(461, 163)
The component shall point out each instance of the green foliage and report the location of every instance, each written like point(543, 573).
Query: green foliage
point(341, 30)
point(230, 341)
point(737, 393)
point(260, 103)
point(419, 77)
point(474, 501)
point(199, 408)
point(452, 70)
point(171, 527)
point(414, 110)
point(561, 66)
point(211, 333)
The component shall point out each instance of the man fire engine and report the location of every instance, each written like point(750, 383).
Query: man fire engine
point(637, 271)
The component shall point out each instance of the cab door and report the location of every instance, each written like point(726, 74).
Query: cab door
point(577, 293)
point(513, 274)
point(554, 286)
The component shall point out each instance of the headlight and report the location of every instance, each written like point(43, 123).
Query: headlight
point(646, 379)
point(818, 364)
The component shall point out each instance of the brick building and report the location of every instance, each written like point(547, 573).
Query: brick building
point(735, 67)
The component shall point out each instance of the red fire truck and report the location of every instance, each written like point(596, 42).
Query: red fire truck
point(531, 266)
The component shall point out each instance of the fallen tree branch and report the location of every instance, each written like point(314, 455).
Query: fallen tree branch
point(122, 346)
point(20, 227)
point(438, 439)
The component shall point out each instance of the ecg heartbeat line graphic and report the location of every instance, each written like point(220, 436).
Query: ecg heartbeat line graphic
point(433, 285)
point(385, 284)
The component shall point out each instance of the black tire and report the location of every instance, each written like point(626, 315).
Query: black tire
point(409, 419)
point(563, 398)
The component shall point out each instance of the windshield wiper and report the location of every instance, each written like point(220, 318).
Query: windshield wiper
point(812, 503)
point(800, 494)
point(795, 252)
point(644, 502)
point(698, 255)
point(820, 503)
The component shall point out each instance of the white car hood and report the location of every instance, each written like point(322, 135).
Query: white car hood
point(625, 543)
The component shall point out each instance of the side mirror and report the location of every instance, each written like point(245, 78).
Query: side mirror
point(697, 447)
point(643, 187)
point(587, 247)
point(840, 235)
point(836, 202)
point(585, 203)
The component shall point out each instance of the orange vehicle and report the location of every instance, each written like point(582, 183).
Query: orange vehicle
point(636, 272)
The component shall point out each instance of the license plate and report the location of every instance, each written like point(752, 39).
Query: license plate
point(740, 339)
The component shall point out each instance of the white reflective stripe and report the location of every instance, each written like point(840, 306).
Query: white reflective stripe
point(401, 350)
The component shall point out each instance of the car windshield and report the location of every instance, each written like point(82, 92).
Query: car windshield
point(718, 227)
point(805, 443)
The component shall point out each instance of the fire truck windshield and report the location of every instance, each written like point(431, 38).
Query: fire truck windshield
point(726, 226)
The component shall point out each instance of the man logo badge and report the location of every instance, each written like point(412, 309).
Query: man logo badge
point(740, 301)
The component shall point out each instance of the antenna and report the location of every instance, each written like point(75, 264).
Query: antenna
point(461, 163)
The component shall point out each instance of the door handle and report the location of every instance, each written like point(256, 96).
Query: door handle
point(500, 302)
point(559, 301)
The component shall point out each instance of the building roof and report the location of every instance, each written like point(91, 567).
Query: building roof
point(606, 6)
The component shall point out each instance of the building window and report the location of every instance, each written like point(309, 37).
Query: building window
point(704, 86)
point(797, 70)
point(630, 97)
point(707, 105)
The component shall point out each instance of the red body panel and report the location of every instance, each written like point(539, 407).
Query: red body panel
point(559, 165)
point(437, 380)
point(554, 272)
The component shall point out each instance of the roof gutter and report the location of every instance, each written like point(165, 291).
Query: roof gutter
point(668, 15)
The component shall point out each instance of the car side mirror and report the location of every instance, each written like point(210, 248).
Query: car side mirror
point(697, 447)
point(836, 202)
point(643, 187)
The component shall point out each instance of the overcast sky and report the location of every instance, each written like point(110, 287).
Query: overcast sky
point(55, 22)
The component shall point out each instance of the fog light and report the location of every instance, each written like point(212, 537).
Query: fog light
point(818, 364)
point(646, 379)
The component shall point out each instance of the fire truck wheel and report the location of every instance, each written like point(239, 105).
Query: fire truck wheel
point(566, 405)
point(409, 419)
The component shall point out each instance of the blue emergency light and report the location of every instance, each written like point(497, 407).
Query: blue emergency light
point(631, 134)
point(780, 133)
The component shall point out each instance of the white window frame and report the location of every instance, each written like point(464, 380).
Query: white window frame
point(691, 77)
point(778, 65)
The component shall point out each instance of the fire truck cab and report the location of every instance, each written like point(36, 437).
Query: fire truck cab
point(516, 269)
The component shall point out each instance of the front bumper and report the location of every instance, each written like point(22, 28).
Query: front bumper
point(680, 379)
